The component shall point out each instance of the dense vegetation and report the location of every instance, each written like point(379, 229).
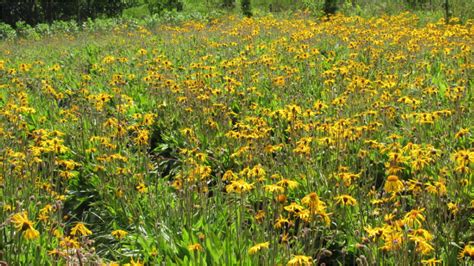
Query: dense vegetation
point(220, 139)
point(40, 18)
point(33, 12)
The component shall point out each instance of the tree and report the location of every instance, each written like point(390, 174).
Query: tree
point(246, 8)
point(447, 11)
point(41, 11)
point(330, 7)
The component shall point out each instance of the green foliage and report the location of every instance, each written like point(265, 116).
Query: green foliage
point(158, 6)
point(48, 11)
point(6, 31)
point(25, 30)
point(315, 7)
point(139, 11)
point(72, 27)
point(427, 8)
point(39, 11)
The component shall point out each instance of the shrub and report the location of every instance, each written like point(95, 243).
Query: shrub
point(25, 30)
point(6, 31)
point(158, 6)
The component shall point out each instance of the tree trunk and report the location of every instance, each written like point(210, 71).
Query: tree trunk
point(446, 9)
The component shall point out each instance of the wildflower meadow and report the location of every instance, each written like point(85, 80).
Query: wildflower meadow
point(270, 140)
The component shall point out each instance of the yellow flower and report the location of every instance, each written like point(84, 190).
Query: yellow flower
point(325, 217)
point(319, 105)
point(23, 224)
point(21, 221)
point(423, 233)
point(56, 253)
point(259, 216)
point(177, 184)
point(142, 137)
point(280, 222)
point(142, 52)
point(438, 188)
point(81, 229)
point(288, 183)
point(57, 233)
point(135, 263)
point(375, 232)
point(7, 207)
point(461, 133)
point(294, 208)
point(279, 81)
point(345, 200)
point(256, 248)
point(31, 233)
point(238, 186)
point(119, 234)
point(311, 200)
point(468, 251)
point(348, 177)
point(195, 247)
point(142, 188)
point(274, 188)
point(304, 215)
point(201, 236)
point(257, 172)
point(69, 243)
point(422, 246)
point(431, 262)
point(393, 184)
point(229, 175)
point(453, 207)
point(464, 160)
point(300, 260)
point(414, 216)
point(392, 240)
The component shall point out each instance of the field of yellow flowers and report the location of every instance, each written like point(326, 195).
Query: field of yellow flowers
point(236, 141)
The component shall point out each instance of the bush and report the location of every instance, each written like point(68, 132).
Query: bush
point(314, 7)
point(101, 24)
point(25, 30)
point(158, 6)
point(43, 29)
point(6, 31)
point(64, 26)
